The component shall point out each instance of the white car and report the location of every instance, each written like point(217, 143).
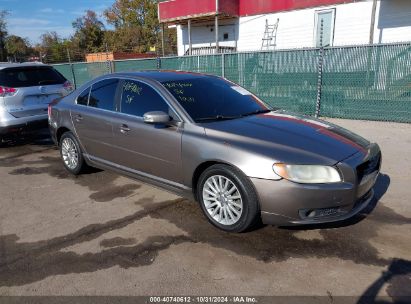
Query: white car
point(26, 89)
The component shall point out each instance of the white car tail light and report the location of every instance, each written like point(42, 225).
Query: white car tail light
point(51, 104)
point(5, 91)
point(68, 86)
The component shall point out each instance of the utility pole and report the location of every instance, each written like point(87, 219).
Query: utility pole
point(68, 56)
point(108, 63)
point(71, 69)
point(162, 39)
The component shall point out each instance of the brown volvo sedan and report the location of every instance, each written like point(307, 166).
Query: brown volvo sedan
point(207, 138)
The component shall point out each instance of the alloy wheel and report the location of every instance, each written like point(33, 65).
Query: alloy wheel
point(222, 200)
point(69, 153)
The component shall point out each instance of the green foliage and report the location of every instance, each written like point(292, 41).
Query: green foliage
point(138, 17)
point(17, 47)
point(123, 39)
point(136, 29)
point(3, 35)
point(89, 32)
point(170, 40)
point(52, 48)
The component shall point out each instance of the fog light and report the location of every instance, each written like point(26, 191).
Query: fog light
point(310, 213)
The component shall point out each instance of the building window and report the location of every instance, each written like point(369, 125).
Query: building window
point(324, 27)
point(225, 37)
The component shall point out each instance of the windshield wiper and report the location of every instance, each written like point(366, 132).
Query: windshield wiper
point(222, 117)
point(256, 112)
point(217, 117)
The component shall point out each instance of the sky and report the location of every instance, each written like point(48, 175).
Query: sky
point(31, 18)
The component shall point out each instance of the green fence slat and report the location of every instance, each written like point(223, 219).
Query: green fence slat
point(65, 70)
point(286, 79)
point(87, 71)
point(367, 82)
point(360, 82)
point(135, 65)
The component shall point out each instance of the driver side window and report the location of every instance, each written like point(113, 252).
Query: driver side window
point(137, 98)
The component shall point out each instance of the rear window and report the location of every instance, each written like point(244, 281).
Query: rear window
point(29, 77)
point(103, 94)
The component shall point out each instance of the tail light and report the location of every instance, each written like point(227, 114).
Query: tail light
point(51, 104)
point(68, 86)
point(5, 91)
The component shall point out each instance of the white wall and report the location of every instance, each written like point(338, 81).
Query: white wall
point(203, 35)
point(297, 28)
point(393, 22)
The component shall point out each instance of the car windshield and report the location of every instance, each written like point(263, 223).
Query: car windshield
point(208, 99)
point(19, 77)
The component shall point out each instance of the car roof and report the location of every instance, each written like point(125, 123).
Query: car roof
point(165, 75)
point(18, 65)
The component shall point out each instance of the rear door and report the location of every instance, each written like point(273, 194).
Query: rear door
point(92, 118)
point(35, 86)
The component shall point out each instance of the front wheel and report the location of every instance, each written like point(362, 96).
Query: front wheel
point(228, 198)
point(71, 154)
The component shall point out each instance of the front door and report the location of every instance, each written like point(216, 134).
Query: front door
point(148, 148)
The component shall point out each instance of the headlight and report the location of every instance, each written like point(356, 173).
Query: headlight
point(307, 174)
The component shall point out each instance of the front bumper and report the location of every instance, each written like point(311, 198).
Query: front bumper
point(285, 203)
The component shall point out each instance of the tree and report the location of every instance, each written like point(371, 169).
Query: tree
point(123, 39)
point(17, 47)
point(138, 17)
point(170, 40)
point(52, 48)
point(3, 35)
point(89, 32)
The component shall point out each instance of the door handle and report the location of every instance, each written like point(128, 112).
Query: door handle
point(124, 129)
point(78, 117)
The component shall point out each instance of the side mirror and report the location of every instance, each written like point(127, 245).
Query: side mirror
point(156, 117)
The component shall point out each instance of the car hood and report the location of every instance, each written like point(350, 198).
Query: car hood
point(289, 138)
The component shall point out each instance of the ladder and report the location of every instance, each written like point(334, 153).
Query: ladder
point(270, 36)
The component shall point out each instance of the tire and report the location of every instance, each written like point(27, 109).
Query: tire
point(230, 190)
point(71, 154)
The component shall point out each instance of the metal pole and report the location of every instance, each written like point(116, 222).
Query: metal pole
point(162, 39)
point(223, 65)
point(372, 26)
point(109, 67)
point(216, 35)
point(320, 72)
point(189, 37)
point(72, 69)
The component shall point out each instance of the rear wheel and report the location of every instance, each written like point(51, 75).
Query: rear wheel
point(228, 198)
point(71, 154)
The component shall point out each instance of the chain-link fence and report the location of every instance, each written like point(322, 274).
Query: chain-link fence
point(360, 82)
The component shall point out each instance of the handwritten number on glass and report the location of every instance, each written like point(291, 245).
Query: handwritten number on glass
point(132, 87)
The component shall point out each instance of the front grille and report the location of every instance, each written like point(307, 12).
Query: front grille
point(369, 166)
